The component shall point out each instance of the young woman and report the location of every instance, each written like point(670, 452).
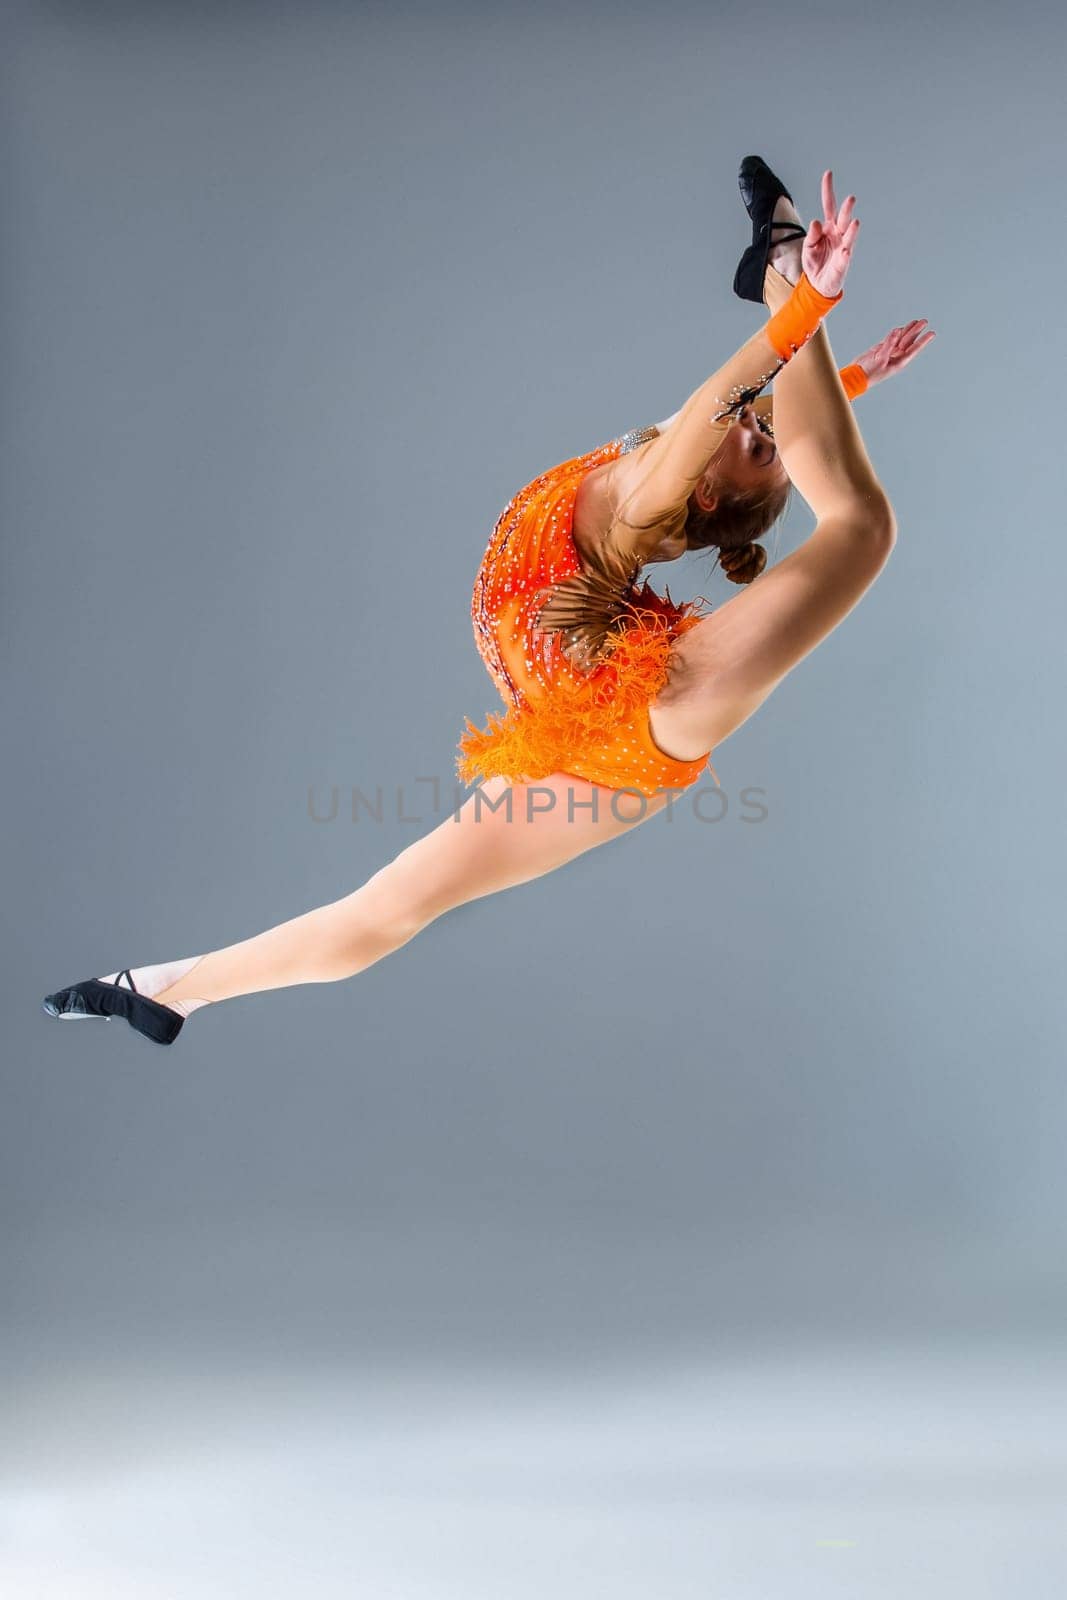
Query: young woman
point(614, 696)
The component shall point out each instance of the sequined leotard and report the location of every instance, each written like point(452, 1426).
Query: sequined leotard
point(578, 694)
point(577, 650)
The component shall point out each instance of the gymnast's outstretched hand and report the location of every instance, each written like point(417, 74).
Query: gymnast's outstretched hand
point(893, 353)
point(828, 245)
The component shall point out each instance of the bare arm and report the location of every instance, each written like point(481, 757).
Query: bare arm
point(753, 641)
point(732, 661)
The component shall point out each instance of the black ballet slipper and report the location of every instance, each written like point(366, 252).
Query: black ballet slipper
point(761, 191)
point(95, 999)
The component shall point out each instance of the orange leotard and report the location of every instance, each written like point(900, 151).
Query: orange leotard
point(561, 717)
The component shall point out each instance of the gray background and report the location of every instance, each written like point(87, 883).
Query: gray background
point(690, 1222)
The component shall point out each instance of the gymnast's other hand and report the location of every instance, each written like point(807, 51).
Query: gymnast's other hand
point(893, 353)
point(828, 246)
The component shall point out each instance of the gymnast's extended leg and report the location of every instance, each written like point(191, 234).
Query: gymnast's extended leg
point(485, 848)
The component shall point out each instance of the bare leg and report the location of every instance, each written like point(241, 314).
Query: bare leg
point(476, 853)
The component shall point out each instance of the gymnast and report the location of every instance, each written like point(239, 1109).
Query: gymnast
point(614, 697)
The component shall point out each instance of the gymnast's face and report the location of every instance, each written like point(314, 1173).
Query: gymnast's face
point(747, 460)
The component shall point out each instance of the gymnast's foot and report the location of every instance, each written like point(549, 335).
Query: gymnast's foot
point(787, 258)
point(154, 982)
point(139, 994)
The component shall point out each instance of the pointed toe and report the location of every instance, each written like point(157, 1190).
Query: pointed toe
point(70, 1005)
point(756, 182)
point(746, 180)
point(761, 190)
point(96, 999)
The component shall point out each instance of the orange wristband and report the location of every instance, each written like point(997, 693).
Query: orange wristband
point(798, 319)
point(854, 379)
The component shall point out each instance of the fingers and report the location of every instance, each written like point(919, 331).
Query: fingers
point(905, 331)
point(910, 336)
point(913, 350)
point(835, 216)
point(902, 344)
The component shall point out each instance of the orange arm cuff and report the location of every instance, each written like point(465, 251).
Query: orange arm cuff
point(798, 319)
point(854, 379)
